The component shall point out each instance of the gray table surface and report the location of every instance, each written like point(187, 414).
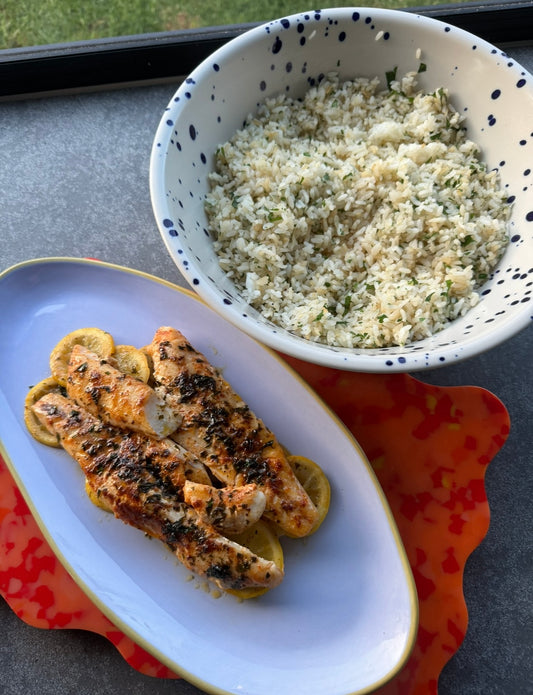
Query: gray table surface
point(74, 182)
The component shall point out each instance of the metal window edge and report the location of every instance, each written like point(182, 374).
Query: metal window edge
point(152, 58)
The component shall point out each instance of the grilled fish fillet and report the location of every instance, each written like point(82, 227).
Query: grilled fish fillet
point(118, 468)
point(229, 509)
point(219, 428)
point(117, 398)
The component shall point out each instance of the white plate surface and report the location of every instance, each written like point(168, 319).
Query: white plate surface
point(343, 620)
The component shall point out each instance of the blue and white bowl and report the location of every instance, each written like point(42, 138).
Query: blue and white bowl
point(287, 56)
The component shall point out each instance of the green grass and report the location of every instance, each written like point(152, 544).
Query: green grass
point(39, 22)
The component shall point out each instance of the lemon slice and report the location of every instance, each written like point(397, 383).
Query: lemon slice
point(315, 483)
point(132, 361)
point(37, 430)
point(263, 541)
point(95, 499)
point(94, 339)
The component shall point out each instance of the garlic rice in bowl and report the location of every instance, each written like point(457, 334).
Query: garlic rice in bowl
point(342, 58)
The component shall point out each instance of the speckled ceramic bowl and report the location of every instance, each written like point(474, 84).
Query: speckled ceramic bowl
point(290, 54)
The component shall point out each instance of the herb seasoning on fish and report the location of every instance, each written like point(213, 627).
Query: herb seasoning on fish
point(220, 429)
point(129, 477)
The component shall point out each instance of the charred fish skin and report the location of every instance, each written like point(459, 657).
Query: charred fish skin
point(100, 448)
point(220, 429)
point(204, 551)
point(119, 469)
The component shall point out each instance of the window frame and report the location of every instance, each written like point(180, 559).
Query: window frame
point(170, 56)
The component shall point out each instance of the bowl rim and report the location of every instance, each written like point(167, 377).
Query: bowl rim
point(429, 353)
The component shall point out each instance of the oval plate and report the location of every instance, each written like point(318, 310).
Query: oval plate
point(344, 619)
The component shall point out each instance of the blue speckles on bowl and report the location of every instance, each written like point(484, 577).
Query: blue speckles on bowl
point(288, 55)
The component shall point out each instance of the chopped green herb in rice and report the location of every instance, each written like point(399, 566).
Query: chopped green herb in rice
point(357, 217)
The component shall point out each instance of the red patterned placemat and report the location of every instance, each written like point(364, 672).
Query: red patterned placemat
point(429, 446)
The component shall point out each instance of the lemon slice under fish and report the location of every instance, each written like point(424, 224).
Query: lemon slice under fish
point(315, 483)
point(132, 361)
point(94, 339)
point(37, 430)
point(262, 540)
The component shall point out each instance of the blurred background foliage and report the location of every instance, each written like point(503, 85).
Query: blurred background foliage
point(40, 22)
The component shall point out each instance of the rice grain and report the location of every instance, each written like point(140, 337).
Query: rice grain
point(357, 217)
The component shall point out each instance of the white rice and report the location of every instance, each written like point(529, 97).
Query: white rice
point(356, 217)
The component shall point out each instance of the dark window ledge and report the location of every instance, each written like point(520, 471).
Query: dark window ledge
point(166, 56)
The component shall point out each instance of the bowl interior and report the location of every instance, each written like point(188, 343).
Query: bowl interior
point(289, 55)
